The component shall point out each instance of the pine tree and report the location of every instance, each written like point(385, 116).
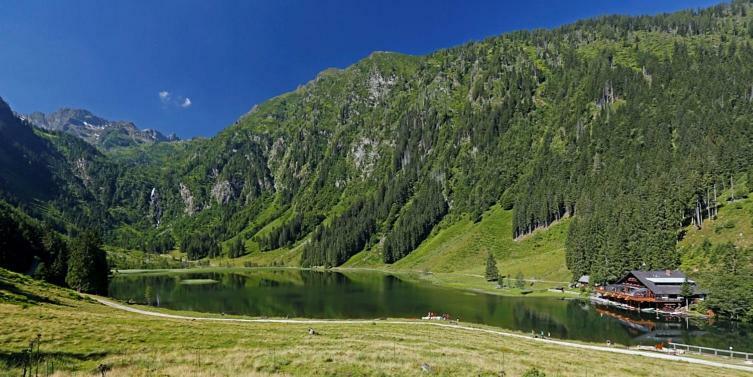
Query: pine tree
point(492, 273)
point(87, 265)
point(519, 281)
point(57, 268)
point(237, 249)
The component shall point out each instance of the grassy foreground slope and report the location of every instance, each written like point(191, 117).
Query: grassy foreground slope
point(79, 334)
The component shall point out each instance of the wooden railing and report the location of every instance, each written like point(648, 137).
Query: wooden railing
point(628, 296)
point(711, 351)
point(625, 296)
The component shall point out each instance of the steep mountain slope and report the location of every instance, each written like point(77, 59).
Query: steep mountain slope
point(23, 158)
point(95, 130)
point(626, 124)
point(49, 175)
point(68, 183)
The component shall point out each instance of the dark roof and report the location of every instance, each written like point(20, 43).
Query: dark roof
point(663, 282)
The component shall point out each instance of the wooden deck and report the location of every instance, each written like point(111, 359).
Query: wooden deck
point(628, 297)
point(625, 296)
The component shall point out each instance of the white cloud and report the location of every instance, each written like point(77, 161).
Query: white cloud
point(168, 99)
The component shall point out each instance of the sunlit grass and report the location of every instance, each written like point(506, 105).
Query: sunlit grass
point(82, 334)
point(462, 248)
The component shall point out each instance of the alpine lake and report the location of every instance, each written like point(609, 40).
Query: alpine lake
point(297, 293)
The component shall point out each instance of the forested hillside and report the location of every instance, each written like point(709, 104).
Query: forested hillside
point(632, 126)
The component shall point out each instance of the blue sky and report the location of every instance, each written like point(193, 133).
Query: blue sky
point(193, 67)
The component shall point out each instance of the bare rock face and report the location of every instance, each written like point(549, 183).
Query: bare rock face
point(222, 192)
point(155, 207)
point(379, 86)
point(276, 153)
point(188, 200)
point(365, 154)
point(81, 169)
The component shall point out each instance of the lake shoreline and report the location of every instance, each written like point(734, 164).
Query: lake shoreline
point(135, 344)
point(460, 281)
point(358, 293)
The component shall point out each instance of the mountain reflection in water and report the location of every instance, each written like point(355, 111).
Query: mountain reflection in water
point(330, 294)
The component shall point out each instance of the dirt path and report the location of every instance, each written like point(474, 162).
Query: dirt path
point(623, 351)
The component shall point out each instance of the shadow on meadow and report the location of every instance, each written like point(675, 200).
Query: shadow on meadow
point(45, 362)
point(20, 296)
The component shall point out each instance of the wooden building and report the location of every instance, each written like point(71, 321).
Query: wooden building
point(583, 281)
point(650, 290)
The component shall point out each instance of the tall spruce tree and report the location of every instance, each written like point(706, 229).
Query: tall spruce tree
point(55, 269)
point(520, 282)
point(237, 249)
point(492, 273)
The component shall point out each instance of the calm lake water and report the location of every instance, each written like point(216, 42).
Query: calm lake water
point(317, 294)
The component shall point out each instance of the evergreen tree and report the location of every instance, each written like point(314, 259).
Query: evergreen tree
point(520, 282)
point(55, 269)
point(87, 265)
point(237, 248)
point(492, 273)
point(200, 245)
point(414, 225)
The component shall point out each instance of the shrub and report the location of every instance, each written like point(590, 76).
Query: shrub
point(534, 372)
point(741, 192)
point(729, 224)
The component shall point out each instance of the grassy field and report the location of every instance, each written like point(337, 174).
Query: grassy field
point(78, 334)
point(455, 255)
point(462, 248)
point(131, 259)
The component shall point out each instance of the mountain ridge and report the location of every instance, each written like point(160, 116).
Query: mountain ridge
point(95, 130)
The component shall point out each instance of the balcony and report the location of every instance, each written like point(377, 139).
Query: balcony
point(631, 293)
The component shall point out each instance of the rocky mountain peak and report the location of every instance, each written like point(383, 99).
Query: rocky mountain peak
point(96, 130)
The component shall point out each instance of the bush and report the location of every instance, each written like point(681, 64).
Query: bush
point(534, 372)
point(507, 201)
point(741, 192)
point(729, 224)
